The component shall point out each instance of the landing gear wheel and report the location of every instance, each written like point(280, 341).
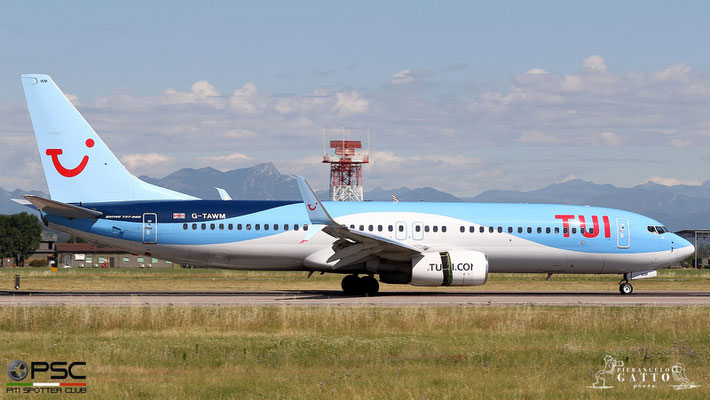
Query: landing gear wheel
point(351, 284)
point(626, 288)
point(369, 285)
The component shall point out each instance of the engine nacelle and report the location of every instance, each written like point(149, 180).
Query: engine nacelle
point(450, 268)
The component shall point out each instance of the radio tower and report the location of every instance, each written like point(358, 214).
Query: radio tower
point(346, 167)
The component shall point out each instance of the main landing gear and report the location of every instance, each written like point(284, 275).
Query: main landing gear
point(624, 286)
point(354, 285)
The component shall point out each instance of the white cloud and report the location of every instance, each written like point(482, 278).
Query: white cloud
point(246, 100)
point(672, 181)
point(73, 99)
point(594, 63)
point(143, 160)
point(536, 137)
point(201, 92)
point(402, 77)
point(611, 139)
point(349, 103)
point(680, 143)
point(234, 157)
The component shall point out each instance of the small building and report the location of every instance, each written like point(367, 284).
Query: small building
point(86, 255)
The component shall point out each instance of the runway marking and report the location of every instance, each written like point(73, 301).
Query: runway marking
point(336, 298)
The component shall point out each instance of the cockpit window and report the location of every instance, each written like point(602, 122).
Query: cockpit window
point(659, 230)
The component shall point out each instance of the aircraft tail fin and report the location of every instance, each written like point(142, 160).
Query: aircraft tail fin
point(78, 165)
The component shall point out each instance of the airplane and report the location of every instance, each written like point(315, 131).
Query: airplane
point(93, 196)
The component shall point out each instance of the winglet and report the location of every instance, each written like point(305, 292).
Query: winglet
point(223, 194)
point(316, 212)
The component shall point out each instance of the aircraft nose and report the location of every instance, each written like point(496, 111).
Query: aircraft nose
point(683, 247)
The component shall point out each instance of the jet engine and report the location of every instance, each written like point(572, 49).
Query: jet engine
point(450, 268)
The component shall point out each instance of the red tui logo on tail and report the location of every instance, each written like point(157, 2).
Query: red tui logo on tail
point(54, 153)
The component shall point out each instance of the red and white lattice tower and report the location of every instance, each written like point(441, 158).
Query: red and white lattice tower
point(346, 168)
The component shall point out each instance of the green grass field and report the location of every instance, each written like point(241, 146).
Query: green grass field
point(528, 352)
point(358, 352)
point(118, 279)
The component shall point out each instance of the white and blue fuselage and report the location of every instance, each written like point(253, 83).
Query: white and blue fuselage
point(270, 234)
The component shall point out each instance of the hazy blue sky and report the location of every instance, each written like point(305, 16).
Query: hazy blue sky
point(461, 96)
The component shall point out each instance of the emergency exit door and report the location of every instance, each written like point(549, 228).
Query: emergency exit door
point(150, 228)
point(623, 235)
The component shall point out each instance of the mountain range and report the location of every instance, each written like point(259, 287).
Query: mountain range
point(679, 206)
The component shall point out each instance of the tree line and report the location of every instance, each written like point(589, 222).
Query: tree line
point(20, 236)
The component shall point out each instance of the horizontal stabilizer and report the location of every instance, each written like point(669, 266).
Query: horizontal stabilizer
point(24, 203)
point(53, 207)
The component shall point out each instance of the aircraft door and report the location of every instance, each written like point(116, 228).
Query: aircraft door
point(417, 231)
point(623, 234)
point(150, 228)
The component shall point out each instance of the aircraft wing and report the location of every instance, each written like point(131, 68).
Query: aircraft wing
point(353, 245)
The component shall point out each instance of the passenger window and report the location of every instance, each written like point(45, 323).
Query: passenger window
point(417, 228)
point(500, 229)
point(352, 226)
point(248, 227)
point(362, 228)
point(591, 231)
point(266, 227)
point(582, 230)
point(276, 227)
point(510, 229)
point(472, 229)
point(230, 227)
point(481, 229)
point(390, 228)
point(435, 228)
point(490, 229)
point(520, 229)
point(295, 227)
point(426, 228)
point(401, 228)
point(547, 230)
point(443, 228)
point(462, 229)
point(557, 230)
point(212, 226)
point(305, 227)
point(257, 227)
point(194, 227)
point(529, 229)
point(379, 228)
point(370, 228)
point(184, 227)
point(565, 230)
point(574, 230)
point(285, 227)
point(203, 226)
point(221, 227)
point(539, 230)
point(239, 227)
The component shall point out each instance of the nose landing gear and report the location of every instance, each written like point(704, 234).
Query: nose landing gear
point(354, 285)
point(624, 286)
